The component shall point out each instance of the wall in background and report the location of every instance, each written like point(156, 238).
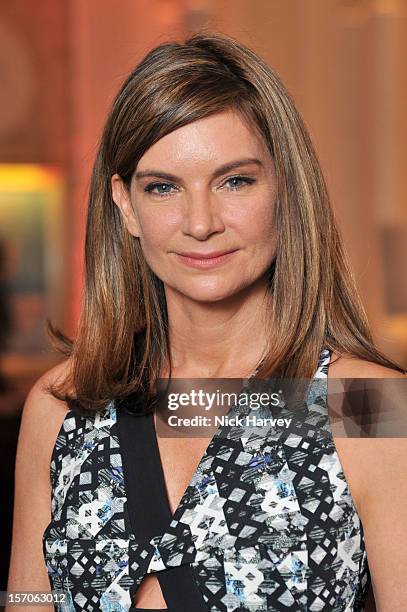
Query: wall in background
point(340, 59)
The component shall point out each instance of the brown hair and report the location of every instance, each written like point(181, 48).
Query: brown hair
point(122, 338)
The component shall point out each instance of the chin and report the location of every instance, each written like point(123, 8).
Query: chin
point(210, 293)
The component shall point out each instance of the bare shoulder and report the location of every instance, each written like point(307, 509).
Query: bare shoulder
point(39, 400)
point(43, 414)
point(344, 366)
point(41, 420)
point(368, 461)
point(375, 471)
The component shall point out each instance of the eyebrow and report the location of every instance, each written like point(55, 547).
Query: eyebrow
point(218, 172)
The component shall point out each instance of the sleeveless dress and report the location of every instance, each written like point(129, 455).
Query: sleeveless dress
point(266, 524)
point(149, 508)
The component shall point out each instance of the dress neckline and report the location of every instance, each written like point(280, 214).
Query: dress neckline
point(143, 430)
point(149, 509)
point(167, 518)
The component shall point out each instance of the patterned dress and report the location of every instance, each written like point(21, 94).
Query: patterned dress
point(267, 522)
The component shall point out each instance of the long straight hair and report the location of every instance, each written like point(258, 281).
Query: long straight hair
point(122, 338)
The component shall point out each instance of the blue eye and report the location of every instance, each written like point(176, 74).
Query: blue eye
point(149, 188)
point(245, 179)
point(236, 182)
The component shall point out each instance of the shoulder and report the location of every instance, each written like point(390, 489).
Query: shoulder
point(375, 469)
point(348, 366)
point(41, 419)
point(42, 416)
point(369, 461)
point(39, 402)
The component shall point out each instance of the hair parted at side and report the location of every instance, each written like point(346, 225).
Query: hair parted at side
point(122, 338)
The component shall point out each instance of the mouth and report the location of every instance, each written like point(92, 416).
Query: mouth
point(205, 260)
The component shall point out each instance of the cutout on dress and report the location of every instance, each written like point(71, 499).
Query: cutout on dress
point(148, 591)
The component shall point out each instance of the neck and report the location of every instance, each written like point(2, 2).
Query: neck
point(217, 339)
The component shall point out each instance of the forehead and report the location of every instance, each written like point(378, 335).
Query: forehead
point(214, 139)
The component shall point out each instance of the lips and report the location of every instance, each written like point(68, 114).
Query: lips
point(211, 255)
point(205, 260)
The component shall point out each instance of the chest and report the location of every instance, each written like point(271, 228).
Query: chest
point(235, 505)
point(179, 459)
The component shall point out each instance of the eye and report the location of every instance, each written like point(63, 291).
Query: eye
point(237, 180)
point(149, 188)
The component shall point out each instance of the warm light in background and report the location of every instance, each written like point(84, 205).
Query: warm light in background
point(32, 254)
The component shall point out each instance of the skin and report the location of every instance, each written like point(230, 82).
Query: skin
point(211, 313)
point(375, 470)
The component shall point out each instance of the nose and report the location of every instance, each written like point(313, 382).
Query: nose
point(201, 215)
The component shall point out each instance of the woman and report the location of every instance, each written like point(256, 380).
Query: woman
point(209, 229)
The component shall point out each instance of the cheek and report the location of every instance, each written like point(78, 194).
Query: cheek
point(157, 226)
point(259, 237)
point(254, 223)
point(261, 227)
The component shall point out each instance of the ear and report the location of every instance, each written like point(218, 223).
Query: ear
point(121, 198)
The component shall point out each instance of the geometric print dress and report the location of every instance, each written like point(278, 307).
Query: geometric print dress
point(267, 523)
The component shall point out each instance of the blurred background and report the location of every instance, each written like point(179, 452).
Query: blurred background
point(61, 63)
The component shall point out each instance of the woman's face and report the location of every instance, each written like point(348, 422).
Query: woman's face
point(206, 187)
